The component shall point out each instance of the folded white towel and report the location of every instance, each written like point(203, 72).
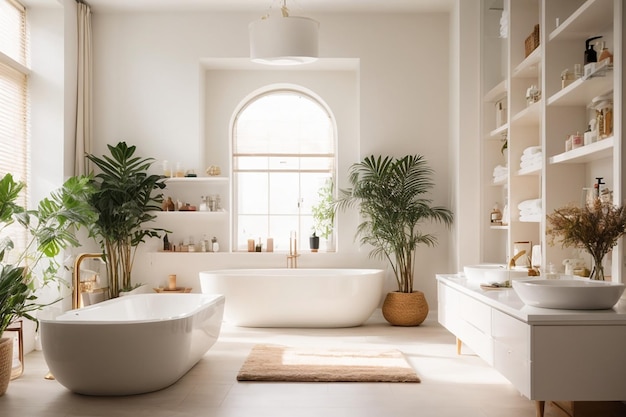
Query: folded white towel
point(500, 170)
point(530, 164)
point(530, 218)
point(531, 157)
point(531, 150)
point(530, 204)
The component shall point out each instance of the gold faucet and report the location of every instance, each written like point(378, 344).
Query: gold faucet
point(78, 287)
point(292, 258)
point(513, 259)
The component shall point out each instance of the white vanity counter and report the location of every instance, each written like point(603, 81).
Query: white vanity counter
point(548, 355)
point(507, 301)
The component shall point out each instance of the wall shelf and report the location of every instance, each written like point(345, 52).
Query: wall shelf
point(497, 93)
point(497, 133)
point(529, 67)
point(586, 21)
point(581, 91)
point(530, 116)
point(588, 153)
point(195, 180)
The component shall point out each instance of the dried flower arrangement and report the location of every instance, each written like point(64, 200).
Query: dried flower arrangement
point(595, 227)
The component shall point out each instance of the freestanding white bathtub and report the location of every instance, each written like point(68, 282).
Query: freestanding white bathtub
point(133, 344)
point(296, 297)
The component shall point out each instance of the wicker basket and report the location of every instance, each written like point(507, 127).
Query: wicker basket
point(405, 309)
point(532, 41)
point(6, 363)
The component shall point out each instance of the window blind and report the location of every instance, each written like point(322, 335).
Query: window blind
point(14, 113)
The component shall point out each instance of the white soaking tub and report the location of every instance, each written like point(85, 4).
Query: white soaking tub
point(296, 297)
point(133, 344)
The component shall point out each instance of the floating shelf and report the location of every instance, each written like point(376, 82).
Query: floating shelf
point(190, 213)
point(195, 180)
point(503, 227)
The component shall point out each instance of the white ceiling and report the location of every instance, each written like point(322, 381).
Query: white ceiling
point(367, 6)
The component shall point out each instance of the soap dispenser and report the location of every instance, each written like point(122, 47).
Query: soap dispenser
point(590, 54)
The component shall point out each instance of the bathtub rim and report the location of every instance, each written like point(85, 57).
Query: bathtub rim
point(212, 299)
point(357, 271)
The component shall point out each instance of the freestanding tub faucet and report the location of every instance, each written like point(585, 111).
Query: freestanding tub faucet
point(292, 258)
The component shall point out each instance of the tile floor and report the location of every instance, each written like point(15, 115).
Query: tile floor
point(451, 386)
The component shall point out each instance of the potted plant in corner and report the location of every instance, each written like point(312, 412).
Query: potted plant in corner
point(390, 194)
point(324, 213)
point(48, 231)
point(125, 202)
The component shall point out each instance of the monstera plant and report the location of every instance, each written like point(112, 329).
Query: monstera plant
point(125, 199)
point(48, 230)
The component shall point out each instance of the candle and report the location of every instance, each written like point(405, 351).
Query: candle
point(250, 245)
point(172, 282)
point(269, 245)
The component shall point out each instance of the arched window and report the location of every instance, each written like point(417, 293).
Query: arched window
point(283, 158)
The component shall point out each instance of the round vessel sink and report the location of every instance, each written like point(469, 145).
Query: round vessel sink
point(569, 294)
point(490, 273)
point(476, 273)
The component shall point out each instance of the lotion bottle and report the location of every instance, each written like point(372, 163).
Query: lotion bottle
point(590, 54)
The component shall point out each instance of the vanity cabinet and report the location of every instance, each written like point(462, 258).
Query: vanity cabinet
point(545, 120)
point(196, 225)
point(548, 355)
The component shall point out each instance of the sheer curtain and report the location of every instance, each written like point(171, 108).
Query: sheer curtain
point(84, 91)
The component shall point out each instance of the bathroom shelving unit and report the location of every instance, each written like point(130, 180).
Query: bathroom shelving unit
point(197, 224)
point(507, 73)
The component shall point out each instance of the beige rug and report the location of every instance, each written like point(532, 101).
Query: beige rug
point(282, 363)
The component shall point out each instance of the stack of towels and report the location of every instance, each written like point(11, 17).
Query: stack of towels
point(500, 174)
point(530, 210)
point(531, 158)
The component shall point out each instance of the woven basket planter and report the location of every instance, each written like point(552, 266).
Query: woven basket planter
point(6, 363)
point(405, 309)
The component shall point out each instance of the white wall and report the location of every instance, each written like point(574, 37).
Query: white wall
point(148, 92)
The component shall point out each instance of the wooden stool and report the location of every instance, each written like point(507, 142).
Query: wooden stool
point(16, 326)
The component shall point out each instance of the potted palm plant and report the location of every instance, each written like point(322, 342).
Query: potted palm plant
point(125, 201)
point(49, 230)
point(391, 197)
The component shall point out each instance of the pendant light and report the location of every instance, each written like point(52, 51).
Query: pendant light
point(284, 40)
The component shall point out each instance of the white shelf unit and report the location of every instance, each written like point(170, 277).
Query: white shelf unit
point(196, 225)
point(560, 176)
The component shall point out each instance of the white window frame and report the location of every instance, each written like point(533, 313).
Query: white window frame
point(268, 90)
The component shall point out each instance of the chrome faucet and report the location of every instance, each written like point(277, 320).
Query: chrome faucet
point(292, 258)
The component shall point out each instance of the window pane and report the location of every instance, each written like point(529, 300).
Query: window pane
point(284, 193)
point(252, 193)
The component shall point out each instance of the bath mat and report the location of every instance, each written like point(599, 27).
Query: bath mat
point(290, 364)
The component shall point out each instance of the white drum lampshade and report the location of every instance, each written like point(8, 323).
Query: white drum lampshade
point(284, 40)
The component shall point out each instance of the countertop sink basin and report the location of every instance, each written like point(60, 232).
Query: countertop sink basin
point(476, 273)
point(569, 294)
point(490, 273)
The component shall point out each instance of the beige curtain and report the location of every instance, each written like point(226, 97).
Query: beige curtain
point(83, 100)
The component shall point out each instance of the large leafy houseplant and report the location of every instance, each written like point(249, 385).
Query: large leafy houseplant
point(595, 227)
point(50, 228)
point(125, 200)
point(391, 196)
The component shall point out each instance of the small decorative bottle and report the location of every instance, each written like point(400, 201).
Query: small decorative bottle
point(214, 245)
point(496, 215)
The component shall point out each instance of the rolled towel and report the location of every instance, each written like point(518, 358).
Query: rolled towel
point(531, 157)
